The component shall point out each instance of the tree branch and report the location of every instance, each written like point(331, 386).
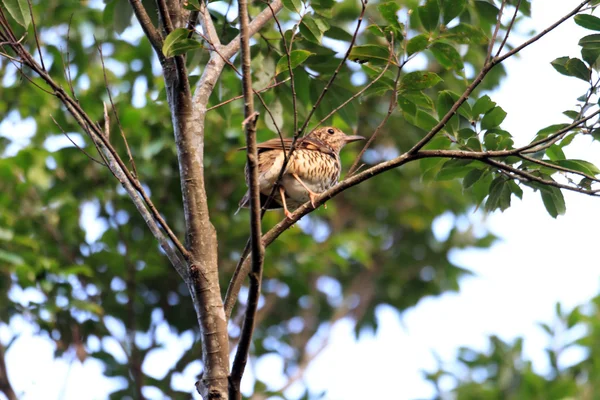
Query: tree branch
point(257, 255)
point(207, 24)
point(257, 23)
point(149, 29)
point(165, 17)
point(5, 386)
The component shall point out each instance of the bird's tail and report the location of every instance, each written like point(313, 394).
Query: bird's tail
point(244, 202)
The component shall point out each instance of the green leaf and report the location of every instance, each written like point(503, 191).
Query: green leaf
point(483, 105)
point(465, 107)
point(297, 57)
point(310, 30)
point(192, 5)
point(555, 153)
point(420, 99)
point(481, 188)
point(407, 105)
point(473, 176)
point(369, 53)
point(11, 258)
point(571, 114)
point(588, 21)
point(452, 9)
point(553, 201)
point(19, 10)
point(323, 7)
point(590, 41)
point(377, 30)
point(419, 80)
point(416, 44)
point(337, 33)
point(425, 120)
point(389, 12)
point(583, 166)
point(493, 118)
point(487, 11)
point(444, 103)
point(302, 84)
point(559, 64)
point(453, 169)
point(447, 56)
point(497, 139)
point(549, 130)
point(122, 16)
point(422, 120)
point(499, 195)
point(575, 67)
point(429, 13)
point(515, 189)
point(276, 114)
point(293, 5)
point(590, 56)
point(465, 34)
point(177, 43)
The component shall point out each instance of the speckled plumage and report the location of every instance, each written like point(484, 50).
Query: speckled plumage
point(315, 165)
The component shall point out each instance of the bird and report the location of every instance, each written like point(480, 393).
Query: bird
point(313, 168)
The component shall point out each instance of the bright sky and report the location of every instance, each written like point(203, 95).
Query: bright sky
point(538, 262)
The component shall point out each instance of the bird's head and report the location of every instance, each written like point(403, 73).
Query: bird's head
point(334, 137)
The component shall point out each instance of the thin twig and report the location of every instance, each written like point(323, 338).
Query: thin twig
point(35, 35)
point(258, 251)
point(67, 62)
point(509, 29)
point(116, 114)
point(288, 50)
point(391, 108)
point(495, 34)
point(106, 122)
point(76, 145)
point(337, 70)
point(241, 96)
point(364, 89)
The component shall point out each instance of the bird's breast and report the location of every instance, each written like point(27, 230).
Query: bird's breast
point(317, 171)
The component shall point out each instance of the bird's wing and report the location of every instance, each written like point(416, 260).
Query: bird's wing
point(305, 143)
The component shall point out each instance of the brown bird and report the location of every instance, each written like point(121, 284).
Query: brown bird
point(313, 168)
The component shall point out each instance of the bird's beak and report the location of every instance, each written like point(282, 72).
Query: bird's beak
point(353, 138)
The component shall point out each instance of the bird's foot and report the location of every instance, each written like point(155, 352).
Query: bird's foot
point(287, 213)
point(312, 196)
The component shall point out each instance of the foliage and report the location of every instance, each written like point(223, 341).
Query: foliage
point(503, 371)
point(69, 231)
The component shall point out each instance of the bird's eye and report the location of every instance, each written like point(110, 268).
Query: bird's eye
point(330, 131)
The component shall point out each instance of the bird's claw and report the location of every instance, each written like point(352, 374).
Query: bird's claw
point(312, 196)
